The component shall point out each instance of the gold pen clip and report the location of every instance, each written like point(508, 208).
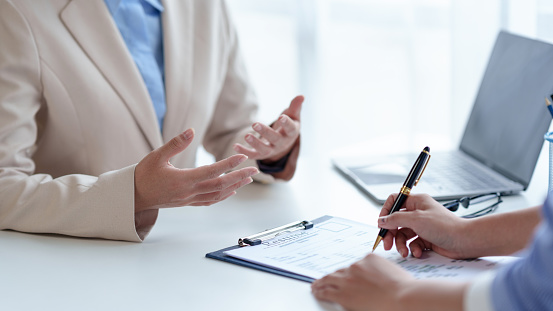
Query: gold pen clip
point(257, 239)
point(424, 168)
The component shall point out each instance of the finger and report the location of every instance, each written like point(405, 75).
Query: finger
point(261, 148)
point(330, 279)
point(331, 287)
point(175, 146)
point(388, 204)
point(326, 293)
point(403, 235)
point(340, 272)
point(251, 153)
point(216, 169)
point(417, 247)
point(225, 181)
point(218, 196)
point(337, 279)
point(294, 110)
point(398, 219)
point(288, 127)
point(267, 132)
point(416, 202)
point(321, 283)
point(389, 239)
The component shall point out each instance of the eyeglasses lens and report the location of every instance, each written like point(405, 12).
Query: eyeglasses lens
point(476, 200)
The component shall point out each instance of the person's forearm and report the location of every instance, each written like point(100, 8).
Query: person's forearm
point(501, 234)
point(432, 295)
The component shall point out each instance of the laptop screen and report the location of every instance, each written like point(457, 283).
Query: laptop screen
point(509, 117)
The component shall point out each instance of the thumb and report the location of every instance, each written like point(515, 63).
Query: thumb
point(175, 146)
point(397, 220)
point(294, 110)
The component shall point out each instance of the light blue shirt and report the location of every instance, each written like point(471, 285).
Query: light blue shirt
point(527, 284)
point(139, 22)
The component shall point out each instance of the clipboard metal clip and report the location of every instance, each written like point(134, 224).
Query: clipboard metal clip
point(258, 238)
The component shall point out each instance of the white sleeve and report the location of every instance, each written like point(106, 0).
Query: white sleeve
point(478, 295)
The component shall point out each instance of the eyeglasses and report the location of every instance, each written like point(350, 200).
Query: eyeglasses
point(466, 201)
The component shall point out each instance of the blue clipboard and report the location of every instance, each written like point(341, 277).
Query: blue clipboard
point(220, 255)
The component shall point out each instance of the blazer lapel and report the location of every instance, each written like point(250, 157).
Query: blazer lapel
point(93, 28)
point(178, 40)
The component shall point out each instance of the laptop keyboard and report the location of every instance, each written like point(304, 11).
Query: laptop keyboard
point(453, 172)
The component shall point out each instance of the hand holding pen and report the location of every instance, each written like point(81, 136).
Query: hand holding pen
point(411, 181)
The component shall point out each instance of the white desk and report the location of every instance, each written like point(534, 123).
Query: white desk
point(168, 271)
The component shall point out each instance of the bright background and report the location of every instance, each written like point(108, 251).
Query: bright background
point(377, 71)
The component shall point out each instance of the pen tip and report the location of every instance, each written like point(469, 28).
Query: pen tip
point(378, 239)
point(547, 102)
point(427, 149)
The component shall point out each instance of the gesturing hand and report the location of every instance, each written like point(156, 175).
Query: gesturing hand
point(274, 141)
point(159, 184)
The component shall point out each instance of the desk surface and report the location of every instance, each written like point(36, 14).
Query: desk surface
point(168, 271)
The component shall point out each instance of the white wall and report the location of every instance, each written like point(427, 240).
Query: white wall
point(405, 71)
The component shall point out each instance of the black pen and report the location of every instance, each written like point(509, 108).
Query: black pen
point(411, 181)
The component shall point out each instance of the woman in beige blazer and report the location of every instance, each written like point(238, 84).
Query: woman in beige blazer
point(76, 118)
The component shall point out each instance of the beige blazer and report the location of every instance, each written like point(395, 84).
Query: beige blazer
point(75, 115)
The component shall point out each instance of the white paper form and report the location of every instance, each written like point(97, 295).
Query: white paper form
point(337, 243)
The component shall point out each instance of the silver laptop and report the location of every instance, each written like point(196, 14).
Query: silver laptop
point(502, 139)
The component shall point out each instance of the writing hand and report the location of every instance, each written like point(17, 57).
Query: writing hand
point(158, 184)
point(276, 141)
point(434, 227)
